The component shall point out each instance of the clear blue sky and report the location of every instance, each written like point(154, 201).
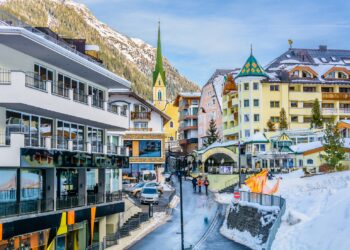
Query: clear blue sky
point(199, 36)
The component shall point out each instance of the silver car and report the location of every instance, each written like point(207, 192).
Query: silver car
point(149, 195)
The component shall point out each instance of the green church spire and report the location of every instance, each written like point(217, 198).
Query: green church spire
point(159, 61)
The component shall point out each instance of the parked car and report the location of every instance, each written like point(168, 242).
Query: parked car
point(149, 195)
point(128, 183)
point(136, 190)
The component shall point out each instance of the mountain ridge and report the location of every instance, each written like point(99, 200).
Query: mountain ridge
point(129, 57)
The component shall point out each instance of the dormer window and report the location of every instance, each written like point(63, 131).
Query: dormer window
point(337, 73)
point(305, 74)
point(342, 75)
point(302, 72)
point(331, 75)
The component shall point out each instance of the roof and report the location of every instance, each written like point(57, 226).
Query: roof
point(305, 147)
point(143, 101)
point(188, 95)
point(284, 137)
point(218, 144)
point(159, 62)
point(256, 138)
point(251, 68)
point(319, 61)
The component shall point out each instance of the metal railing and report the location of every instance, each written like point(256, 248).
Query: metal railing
point(69, 202)
point(113, 109)
point(60, 90)
point(34, 81)
point(5, 77)
point(97, 103)
point(115, 196)
point(96, 246)
point(95, 199)
point(80, 97)
point(25, 207)
point(5, 139)
point(267, 200)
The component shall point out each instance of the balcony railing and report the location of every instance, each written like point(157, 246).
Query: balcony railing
point(97, 103)
point(80, 97)
point(115, 149)
point(65, 202)
point(336, 96)
point(33, 81)
point(329, 111)
point(5, 77)
point(140, 115)
point(113, 109)
point(60, 90)
point(344, 110)
point(26, 207)
point(4, 139)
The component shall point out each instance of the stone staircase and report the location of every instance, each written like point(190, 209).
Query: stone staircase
point(134, 222)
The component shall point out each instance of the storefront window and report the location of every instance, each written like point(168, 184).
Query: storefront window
point(31, 185)
point(8, 185)
point(150, 148)
point(112, 180)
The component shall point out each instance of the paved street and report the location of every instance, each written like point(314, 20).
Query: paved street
point(196, 208)
point(163, 202)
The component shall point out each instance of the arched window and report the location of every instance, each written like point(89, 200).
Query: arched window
point(309, 161)
point(159, 95)
point(171, 124)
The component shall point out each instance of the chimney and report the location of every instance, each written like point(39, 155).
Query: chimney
point(322, 48)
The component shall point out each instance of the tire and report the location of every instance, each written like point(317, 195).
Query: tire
point(138, 195)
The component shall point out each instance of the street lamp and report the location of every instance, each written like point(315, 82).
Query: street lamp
point(239, 164)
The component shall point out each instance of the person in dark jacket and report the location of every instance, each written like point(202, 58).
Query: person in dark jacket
point(194, 184)
point(206, 185)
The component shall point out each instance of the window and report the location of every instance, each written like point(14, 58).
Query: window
point(300, 163)
point(307, 119)
point(256, 117)
point(159, 95)
point(246, 86)
point(294, 104)
point(291, 88)
point(294, 118)
point(95, 137)
point(344, 90)
point(309, 89)
point(342, 75)
point(309, 162)
point(171, 124)
point(305, 74)
point(274, 104)
point(262, 147)
point(327, 89)
point(247, 133)
point(140, 108)
point(274, 87)
point(327, 105)
point(331, 75)
point(246, 118)
point(256, 102)
point(308, 104)
point(246, 103)
point(97, 96)
point(274, 119)
point(150, 148)
point(194, 102)
point(255, 85)
point(141, 125)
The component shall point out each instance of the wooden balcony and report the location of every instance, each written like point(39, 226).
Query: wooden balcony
point(140, 115)
point(336, 96)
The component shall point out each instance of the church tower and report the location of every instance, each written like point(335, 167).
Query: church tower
point(159, 81)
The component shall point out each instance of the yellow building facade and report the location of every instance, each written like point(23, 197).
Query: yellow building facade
point(160, 100)
point(292, 82)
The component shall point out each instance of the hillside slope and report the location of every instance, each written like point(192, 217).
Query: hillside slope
point(129, 57)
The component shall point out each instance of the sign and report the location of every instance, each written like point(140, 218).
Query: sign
point(237, 195)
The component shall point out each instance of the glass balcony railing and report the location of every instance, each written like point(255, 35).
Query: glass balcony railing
point(12, 208)
point(33, 81)
point(140, 115)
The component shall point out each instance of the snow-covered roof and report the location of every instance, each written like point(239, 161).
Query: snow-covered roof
point(304, 147)
point(190, 94)
point(257, 137)
point(345, 121)
point(218, 144)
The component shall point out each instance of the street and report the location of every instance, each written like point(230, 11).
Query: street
point(197, 207)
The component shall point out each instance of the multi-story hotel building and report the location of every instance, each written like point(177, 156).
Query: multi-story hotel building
point(145, 138)
point(188, 103)
point(59, 178)
point(210, 105)
point(292, 81)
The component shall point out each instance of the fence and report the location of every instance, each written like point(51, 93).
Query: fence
point(33, 81)
point(267, 200)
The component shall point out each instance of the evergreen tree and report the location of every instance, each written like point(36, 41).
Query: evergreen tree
point(283, 120)
point(212, 134)
point(270, 126)
point(333, 147)
point(316, 117)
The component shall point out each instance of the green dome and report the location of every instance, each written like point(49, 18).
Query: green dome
point(251, 68)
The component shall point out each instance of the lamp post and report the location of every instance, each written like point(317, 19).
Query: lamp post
point(179, 164)
point(239, 164)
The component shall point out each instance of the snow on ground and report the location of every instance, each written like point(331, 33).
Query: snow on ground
point(167, 187)
point(223, 198)
point(317, 214)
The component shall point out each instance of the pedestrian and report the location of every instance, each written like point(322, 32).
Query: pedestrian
point(194, 184)
point(200, 183)
point(206, 184)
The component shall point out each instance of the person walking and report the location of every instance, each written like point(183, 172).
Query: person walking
point(206, 184)
point(200, 183)
point(194, 184)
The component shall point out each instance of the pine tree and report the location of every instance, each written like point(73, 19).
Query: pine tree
point(316, 117)
point(270, 126)
point(283, 120)
point(333, 147)
point(212, 134)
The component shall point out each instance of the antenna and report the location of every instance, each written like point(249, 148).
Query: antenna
point(251, 49)
point(290, 42)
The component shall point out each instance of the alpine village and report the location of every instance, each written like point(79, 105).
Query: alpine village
point(105, 145)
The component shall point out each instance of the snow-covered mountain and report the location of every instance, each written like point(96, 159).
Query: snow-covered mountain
point(130, 57)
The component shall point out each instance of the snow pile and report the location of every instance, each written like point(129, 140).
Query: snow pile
point(244, 238)
point(224, 198)
point(167, 187)
point(318, 212)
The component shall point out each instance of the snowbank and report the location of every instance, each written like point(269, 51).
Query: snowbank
point(223, 198)
point(318, 212)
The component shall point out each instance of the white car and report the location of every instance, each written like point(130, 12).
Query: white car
point(149, 195)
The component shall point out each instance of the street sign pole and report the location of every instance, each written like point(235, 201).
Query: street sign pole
point(181, 210)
